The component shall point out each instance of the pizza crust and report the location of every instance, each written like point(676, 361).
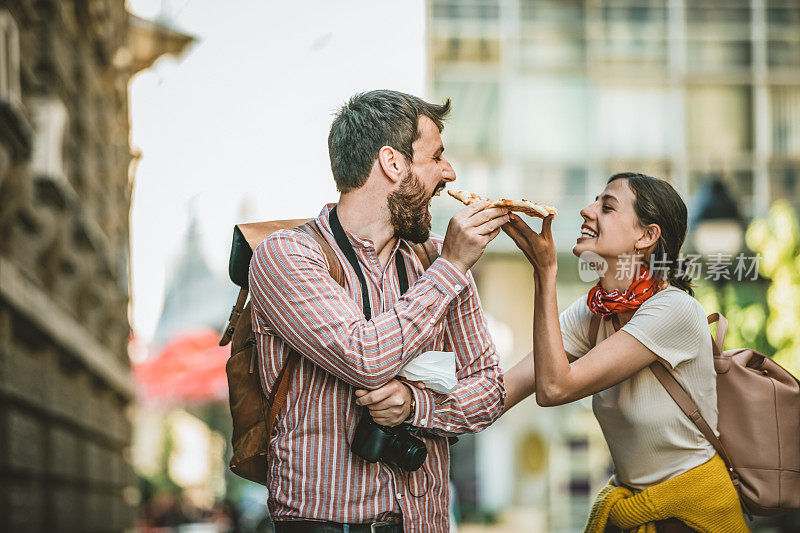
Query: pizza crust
point(524, 206)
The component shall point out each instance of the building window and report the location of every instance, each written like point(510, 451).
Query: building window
point(474, 127)
point(785, 182)
point(9, 59)
point(466, 9)
point(50, 119)
point(551, 118)
point(466, 50)
point(719, 120)
point(715, 56)
point(785, 115)
point(634, 34)
point(635, 122)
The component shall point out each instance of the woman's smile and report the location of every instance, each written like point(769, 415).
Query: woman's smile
point(587, 233)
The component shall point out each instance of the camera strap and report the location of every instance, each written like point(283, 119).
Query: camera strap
point(347, 249)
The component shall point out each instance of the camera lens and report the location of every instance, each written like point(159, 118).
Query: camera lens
point(404, 451)
point(415, 455)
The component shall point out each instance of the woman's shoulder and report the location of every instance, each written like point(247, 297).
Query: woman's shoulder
point(579, 308)
point(671, 298)
point(672, 306)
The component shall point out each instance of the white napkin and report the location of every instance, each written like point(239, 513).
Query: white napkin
point(437, 370)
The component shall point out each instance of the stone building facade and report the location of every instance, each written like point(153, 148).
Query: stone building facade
point(66, 174)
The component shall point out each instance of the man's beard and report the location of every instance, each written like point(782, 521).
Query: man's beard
point(408, 210)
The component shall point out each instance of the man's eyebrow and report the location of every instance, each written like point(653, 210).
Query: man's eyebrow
point(439, 151)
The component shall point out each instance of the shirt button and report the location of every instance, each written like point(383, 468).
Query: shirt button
point(423, 421)
point(432, 321)
point(458, 287)
point(448, 427)
point(399, 496)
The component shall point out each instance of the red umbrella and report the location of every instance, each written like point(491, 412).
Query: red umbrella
point(191, 367)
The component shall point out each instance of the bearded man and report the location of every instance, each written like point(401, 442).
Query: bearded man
point(387, 160)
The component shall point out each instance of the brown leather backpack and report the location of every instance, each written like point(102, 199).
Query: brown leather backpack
point(759, 421)
point(253, 412)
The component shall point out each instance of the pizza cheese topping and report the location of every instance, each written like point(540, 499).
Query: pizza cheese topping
point(524, 206)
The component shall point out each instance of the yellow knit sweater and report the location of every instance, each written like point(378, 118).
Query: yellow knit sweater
point(703, 498)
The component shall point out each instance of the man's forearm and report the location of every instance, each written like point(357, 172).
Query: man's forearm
point(295, 299)
point(474, 405)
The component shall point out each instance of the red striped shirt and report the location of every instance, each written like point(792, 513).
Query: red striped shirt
point(312, 473)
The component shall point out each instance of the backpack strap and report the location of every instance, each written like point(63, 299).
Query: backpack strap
point(280, 389)
point(426, 252)
point(687, 405)
point(234, 317)
point(675, 390)
point(311, 229)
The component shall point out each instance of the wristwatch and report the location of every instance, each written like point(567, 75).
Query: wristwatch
point(413, 409)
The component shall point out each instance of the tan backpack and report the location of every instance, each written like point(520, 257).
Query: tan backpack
point(254, 413)
point(759, 421)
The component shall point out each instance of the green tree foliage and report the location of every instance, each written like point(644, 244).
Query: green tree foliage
point(776, 238)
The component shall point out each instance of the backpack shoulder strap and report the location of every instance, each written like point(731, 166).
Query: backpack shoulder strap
point(673, 388)
point(281, 387)
point(688, 406)
point(594, 328)
point(334, 266)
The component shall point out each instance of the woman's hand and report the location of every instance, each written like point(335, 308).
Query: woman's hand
point(539, 248)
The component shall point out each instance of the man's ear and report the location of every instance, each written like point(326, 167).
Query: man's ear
point(651, 235)
point(392, 163)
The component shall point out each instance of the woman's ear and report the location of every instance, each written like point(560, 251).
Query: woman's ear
point(651, 235)
point(391, 162)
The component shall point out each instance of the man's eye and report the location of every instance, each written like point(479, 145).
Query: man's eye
point(437, 159)
point(607, 208)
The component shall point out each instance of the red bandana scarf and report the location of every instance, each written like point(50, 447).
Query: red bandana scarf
point(605, 303)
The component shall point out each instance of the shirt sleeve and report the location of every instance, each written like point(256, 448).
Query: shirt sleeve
point(574, 322)
point(478, 398)
point(294, 296)
point(671, 325)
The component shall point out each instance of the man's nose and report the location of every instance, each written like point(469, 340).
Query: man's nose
point(448, 174)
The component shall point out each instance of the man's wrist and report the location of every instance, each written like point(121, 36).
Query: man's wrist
point(412, 410)
point(455, 262)
point(423, 408)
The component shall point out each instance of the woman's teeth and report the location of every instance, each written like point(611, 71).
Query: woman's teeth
point(588, 233)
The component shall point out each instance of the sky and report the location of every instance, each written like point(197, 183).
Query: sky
point(236, 130)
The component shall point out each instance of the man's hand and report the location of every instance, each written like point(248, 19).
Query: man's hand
point(469, 231)
point(389, 405)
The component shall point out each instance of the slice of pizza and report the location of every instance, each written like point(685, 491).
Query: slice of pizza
point(524, 206)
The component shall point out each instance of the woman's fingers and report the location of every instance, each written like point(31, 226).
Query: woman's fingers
point(515, 235)
point(547, 226)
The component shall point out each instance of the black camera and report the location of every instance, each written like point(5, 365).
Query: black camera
point(391, 445)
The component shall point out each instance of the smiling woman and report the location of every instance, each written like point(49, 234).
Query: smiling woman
point(603, 343)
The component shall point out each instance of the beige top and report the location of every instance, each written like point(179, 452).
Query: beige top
point(649, 437)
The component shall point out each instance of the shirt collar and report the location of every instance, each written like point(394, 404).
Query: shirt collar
point(355, 240)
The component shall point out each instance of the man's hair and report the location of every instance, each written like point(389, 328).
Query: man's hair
point(370, 121)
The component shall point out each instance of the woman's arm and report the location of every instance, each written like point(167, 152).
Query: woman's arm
point(520, 381)
point(557, 380)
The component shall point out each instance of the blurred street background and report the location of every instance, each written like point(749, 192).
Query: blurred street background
point(134, 136)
